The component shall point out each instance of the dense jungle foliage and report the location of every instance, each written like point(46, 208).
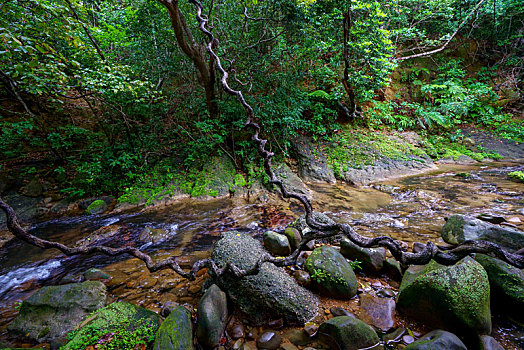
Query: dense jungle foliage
point(116, 94)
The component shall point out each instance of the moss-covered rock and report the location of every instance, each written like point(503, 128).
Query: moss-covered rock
point(53, 311)
point(276, 243)
point(371, 259)
point(331, 273)
point(271, 293)
point(119, 325)
point(348, 333)
point(97, 207)
point(437, 340)
point(507, 284)
point(293, 236)
point(175, 333)
point(449, 297)
point(460, 228)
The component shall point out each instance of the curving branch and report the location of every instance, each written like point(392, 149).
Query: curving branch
point(431, 251)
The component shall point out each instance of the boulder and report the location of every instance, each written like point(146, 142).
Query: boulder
point(53, 311)
point(118, 325)
point(378, 312)
point(449, 297)
point(312, 163)
point(393, 269)
point(293, 236)
point(291, 181)
point(331, 273)
point(348, 333)
point(507, 284)
point(271, 293)
point(96, 207)
point(488, 343)
point(212, 316)
point(437, 340)
point(276, 243)
point(459, 228)
point(371, 259)
point(176, 332)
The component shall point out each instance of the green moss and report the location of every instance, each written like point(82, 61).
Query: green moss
point(517, 176)
point(97, 205)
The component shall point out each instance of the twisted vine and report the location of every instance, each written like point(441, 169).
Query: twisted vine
point(320, 230)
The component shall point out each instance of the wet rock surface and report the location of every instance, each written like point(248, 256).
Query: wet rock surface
point(212, 317)
point(436, 340)
point(175, 333)
point(378, 312)
point(346, 332)
point(371, 259)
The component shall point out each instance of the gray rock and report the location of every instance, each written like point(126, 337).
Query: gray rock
point(271, 293)
point(293, 236)
point(507, 284)
point(96, 275)
point(488, 343)
point(378, 312)
point(339, 311)
point(392, 269)
point(290, 180)
point(212, 316)
point(55, 310)
point(303, 278)
point(372, 259)
point(301, 225)
point(331, 273)
point(237, 331)
point(459, 228)
point(176, 332)
point(312, 163)
point(276, 243)
point(437, 340)
point(269, 341)
point(116, 317)
point(449, 297)
point(298, 337)
point(348, 333)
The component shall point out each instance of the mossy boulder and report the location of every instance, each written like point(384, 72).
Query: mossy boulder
point(271, 293)
point(331, 273)
point(53, 311)
point(460, 228)
point(507, 284)
point(119, 325)
point(372, 259)
point(437, 340)
point(176, 332)
point(212, 317)
point(348, 333)
point(448, 297)
point(97, 207)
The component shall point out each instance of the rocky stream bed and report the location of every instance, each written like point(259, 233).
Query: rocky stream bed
point(324, 302)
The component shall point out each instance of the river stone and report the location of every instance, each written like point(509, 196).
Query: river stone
point(488, 343)
point(293, 236)
point(271, 293)
point(55, 310)
point(331, 273)
point(97, 207)
point(175, 333)
point(449, 297)
point(506, 282)
point(303, 278)
point(437, 340)
point(378, 312)
point(276, 243)
point(301, 225)
point(212, 316)
point(372, 259)
point(459, 228)
point(348, 333)
point(269, 341)
point(96, 275)
point(393, 269)
point(116, 317)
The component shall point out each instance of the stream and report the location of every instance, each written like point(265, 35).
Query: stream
point(410, 209)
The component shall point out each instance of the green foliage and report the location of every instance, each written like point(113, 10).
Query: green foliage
point(517, 176)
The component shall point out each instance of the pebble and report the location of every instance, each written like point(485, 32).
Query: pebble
point(311, 329)
point(276, 324)
point(408, 339)
point(288, 346)
point(237, 331)
point(339, 311)
point(269, 340)
point(386, 293)
point(238, 344)
point(302, 278)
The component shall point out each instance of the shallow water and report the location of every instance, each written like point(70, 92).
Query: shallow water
point(410, 209)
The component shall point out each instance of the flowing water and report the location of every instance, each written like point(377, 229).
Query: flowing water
point(409, 209)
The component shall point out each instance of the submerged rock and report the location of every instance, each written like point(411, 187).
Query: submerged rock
point(153, 235)
point(449, 297)
point(348, 333)
point(271, 293)
point(371, 259)
point(459, 228)
point(53, 311)
point(436, 340)
point(212, 316)
point(176, 332)
point(331, 273)
point(506, 282)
